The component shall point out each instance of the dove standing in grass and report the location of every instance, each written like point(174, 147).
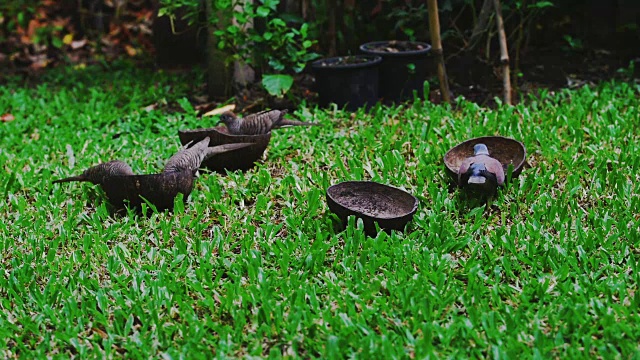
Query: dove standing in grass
point(97, 174)
point(258, 123)
point(481, 172)
point(190, 159)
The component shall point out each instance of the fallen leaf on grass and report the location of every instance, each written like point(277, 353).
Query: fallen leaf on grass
point(131, 51)
point(220, 110)
point(77, 44)
point(7, 117)
point(151, 107)
point(100, 333)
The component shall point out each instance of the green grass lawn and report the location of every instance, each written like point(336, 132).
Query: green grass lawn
point(251, 265)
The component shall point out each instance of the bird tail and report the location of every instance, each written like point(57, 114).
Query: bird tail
point(478, 180)
point(478, 174)
point(224, 148)
point(286, 122)
point(70, 179)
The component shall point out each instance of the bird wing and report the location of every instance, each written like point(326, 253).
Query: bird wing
point(494, 166)
point(250, 117)
point(118, 167)
point(188, 159)
point(466, 163)
point(464, 168)
point(261, 122)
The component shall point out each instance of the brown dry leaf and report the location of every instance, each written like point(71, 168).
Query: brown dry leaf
point(114, 30)
point(220, 110)
point(61, 22)
point(150, 107)
point(33, 26)
point(131, 51)
point(101, 333)
point(39, 61)
point(77, 44)
point(204, 107)
point(7, 117)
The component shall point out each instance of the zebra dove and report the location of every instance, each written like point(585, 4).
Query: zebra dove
point(189, 159)
point(481, 172)
point(97, 174)
point(258, 123)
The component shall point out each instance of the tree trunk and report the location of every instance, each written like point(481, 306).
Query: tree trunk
point(243, 74)
point(218, 72)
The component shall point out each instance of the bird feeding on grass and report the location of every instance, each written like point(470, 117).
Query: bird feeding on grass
point(190, 159)
point(98, 173)
point(258, 123)
point(481, 173)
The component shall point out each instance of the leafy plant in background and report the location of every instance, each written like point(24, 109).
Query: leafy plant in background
point(14, 14)
point(409, 18)
point(277, 84)
point(25, 18)
point(276, 48)
point(574, 43)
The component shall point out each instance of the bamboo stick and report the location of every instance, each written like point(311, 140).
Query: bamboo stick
point(436, 43)
point(504, 54)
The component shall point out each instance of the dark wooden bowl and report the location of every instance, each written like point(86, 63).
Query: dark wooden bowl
point(390, 207)
point(159, 189)
point(240, 159)
point(506, 150)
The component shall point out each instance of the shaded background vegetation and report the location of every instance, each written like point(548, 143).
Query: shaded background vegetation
point(552, 43)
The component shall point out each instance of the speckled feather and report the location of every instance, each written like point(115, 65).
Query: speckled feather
point(481, 172)
point(188, 159)
point(492, 165)
point(97, 174)
point(258, 123)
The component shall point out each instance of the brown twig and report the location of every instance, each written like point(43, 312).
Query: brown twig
point(504, 53)
point(434, 29)
point(482, 26)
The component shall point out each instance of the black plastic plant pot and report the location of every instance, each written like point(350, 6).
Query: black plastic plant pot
point(348, 81)
point(158, 189)
point(240, 159)
point(373, 202)
point(405, 67)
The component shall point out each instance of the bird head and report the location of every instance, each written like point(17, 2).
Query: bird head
point(480, 149)
point(226, 118)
